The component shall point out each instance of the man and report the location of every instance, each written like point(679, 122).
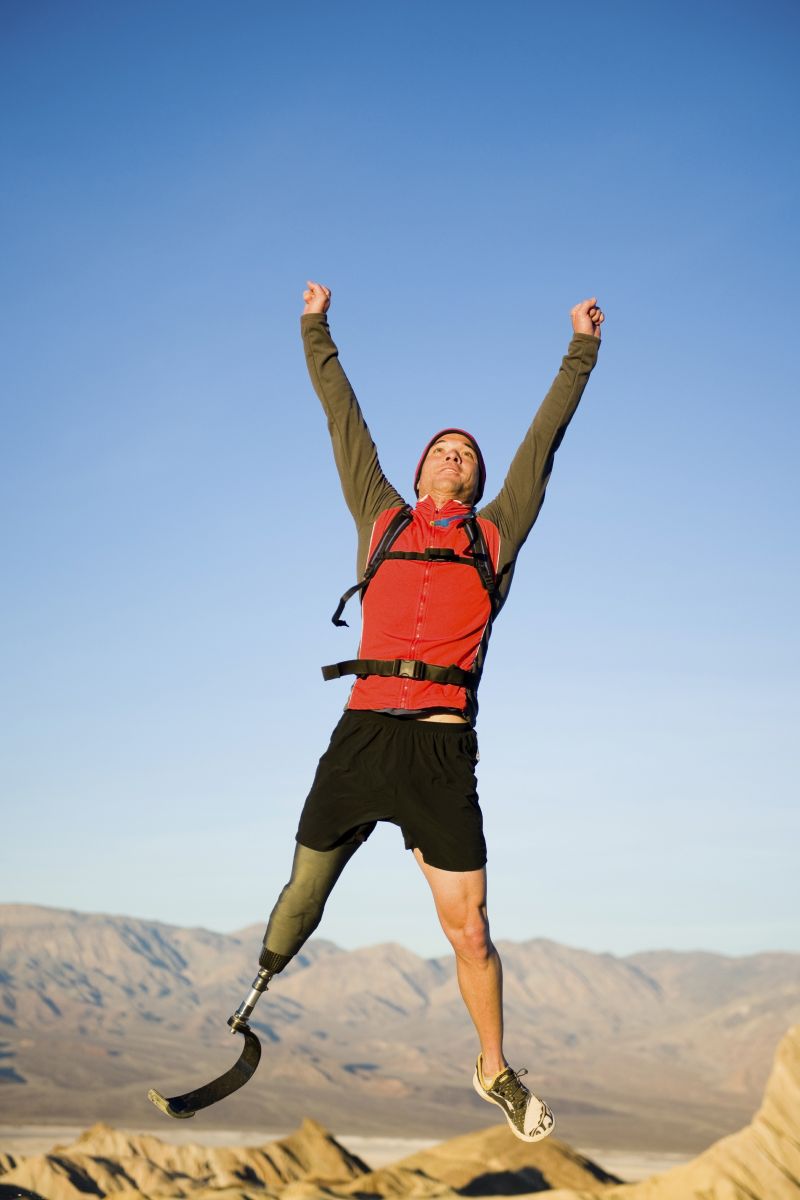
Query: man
point(405, 749)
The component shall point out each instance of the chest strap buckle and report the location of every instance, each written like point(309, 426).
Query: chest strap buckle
point(409, 668)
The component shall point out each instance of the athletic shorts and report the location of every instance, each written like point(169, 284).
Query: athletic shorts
point(419, 775)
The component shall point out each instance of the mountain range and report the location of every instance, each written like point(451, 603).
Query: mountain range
point(661, 1050)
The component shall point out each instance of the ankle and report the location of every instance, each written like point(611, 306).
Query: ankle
point(490, 1066)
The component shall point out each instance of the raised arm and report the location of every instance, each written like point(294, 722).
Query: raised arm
point(517, 505)
point(366, 489)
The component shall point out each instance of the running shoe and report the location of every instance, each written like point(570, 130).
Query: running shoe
point(529, 1117)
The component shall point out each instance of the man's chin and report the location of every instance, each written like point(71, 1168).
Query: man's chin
point(443, 494)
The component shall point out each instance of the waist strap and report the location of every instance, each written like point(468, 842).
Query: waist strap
point(403, 668)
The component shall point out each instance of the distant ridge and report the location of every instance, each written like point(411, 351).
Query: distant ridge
point(659, 1051)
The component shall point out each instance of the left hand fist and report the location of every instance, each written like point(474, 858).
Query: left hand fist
point(317, 298)
point(587, 317)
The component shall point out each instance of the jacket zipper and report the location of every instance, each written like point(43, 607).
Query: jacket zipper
point(421, 606)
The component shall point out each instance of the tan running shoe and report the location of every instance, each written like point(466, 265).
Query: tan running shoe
point(529, 1117)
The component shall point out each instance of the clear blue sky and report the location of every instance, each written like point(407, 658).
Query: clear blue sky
point(173, 537)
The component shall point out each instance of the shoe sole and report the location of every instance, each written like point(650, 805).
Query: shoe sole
point(538, 1134)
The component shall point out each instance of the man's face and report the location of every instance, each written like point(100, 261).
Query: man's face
point(450, 470)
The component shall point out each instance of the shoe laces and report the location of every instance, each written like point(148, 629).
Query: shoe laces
point(511, 1087)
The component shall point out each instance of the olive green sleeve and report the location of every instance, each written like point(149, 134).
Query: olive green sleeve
point(517, 505)
point(366, 489)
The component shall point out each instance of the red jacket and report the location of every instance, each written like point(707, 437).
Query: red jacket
point(434, 611)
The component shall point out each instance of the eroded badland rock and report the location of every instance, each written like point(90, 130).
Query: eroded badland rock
point(488, 1163)
point(760, 1162)
point(106, 1162)
point(308, 1165)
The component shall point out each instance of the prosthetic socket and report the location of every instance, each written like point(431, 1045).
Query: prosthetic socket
point(300, 905)
point(294, 918)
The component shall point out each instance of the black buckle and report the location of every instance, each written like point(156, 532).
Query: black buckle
point(408, 668)
point(439, 552)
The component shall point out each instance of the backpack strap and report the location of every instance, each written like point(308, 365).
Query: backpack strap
point(481, 559)
point(478, 556)
point(403, 668)
point(391, 533)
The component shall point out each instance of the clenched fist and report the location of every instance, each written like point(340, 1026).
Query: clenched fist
point(587, 317)
point(317, 298)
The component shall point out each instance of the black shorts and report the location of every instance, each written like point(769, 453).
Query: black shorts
point(419, 775)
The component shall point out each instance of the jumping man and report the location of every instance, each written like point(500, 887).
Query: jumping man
point(433, 578)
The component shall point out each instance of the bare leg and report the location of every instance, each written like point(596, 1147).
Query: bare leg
point(460, 899)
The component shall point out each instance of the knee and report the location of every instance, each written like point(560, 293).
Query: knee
point(470, 937)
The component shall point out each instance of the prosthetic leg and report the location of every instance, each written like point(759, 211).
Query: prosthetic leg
point(294, 918)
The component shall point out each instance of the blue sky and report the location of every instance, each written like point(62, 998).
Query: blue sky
point(173, 537)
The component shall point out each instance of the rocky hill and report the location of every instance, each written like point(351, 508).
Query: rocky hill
point(761, 1162)
point(659, 1051)
point(309, 1163)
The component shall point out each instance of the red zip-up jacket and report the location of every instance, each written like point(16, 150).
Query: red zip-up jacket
point(436, 612)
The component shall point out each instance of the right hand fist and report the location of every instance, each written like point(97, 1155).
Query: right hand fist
point(587, 317)
point(317, 298)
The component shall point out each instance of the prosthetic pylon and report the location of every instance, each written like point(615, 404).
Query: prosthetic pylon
point(182, 1107)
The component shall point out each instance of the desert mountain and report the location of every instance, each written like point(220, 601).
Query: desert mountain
point(761, 1162)
point(96, 1009)
point(488, 1163)
point(305, 1165)
point(106, 1162)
